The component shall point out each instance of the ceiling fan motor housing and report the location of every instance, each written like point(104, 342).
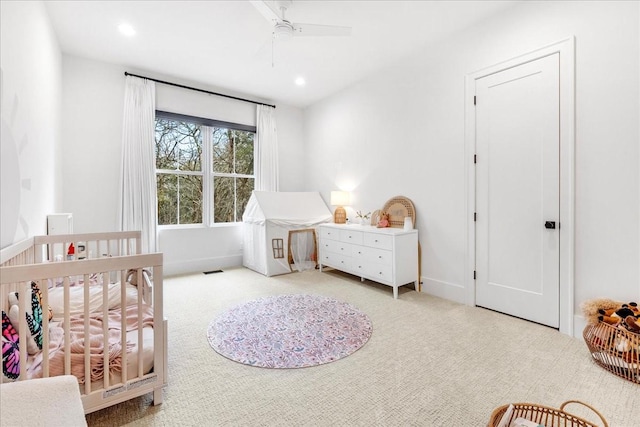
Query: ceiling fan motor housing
point(283, 29)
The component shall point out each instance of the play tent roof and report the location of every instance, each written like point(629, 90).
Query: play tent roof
point(286, 208)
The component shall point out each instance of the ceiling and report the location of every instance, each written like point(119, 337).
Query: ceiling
point(227, 44)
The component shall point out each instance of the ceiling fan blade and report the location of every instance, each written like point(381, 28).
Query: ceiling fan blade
point(300, 30)
point(267, 9)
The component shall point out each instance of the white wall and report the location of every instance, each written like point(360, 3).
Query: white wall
point(31, 71)
point(93, 100)
point(92, 132)
point(401, 132)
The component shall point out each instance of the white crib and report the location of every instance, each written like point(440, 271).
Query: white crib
point(110, 299)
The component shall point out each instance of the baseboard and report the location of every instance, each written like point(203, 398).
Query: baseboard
point(201, 265)
point(442, 289)
point(579, 323)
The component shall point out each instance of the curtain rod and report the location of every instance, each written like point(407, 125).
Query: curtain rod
point(198, 90)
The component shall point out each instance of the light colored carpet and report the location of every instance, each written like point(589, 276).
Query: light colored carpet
point(429, 362)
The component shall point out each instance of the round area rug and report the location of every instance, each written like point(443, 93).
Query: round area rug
point(289, 331)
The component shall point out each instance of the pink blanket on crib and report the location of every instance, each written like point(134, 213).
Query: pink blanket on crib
point(95, 340)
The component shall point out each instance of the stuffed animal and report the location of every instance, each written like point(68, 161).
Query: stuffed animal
point(632, 324)
point(10, 350)
point(591, 308)
point(613, 316)
point(33, 315)
point(384, 220)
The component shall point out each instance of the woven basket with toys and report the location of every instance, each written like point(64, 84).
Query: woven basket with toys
point(613, 336)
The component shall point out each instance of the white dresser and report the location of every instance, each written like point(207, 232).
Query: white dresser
point(385, 255)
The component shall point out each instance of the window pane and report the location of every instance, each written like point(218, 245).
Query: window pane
point(178, 145)
point(244, 152)
point(181, 193)
point(190, 188)
point(222, 150)
point(228, 144)
point(167, 199)
point(244, 187)
point(223, 199)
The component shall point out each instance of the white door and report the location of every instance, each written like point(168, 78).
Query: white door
point(517, 191)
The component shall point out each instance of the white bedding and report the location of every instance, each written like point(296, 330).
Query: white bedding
point(76, 299)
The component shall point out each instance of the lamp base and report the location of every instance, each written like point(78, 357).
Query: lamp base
point(340, 215)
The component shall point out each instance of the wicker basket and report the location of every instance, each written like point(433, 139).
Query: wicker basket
point(548, 417)
point(605, 340)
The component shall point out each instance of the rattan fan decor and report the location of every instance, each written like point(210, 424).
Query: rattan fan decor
point(375, 217)
point(398, 208)
point(548, 417)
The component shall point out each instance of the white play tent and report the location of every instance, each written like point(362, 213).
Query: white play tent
point(268, 220)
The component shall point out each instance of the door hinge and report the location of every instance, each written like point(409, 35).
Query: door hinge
point(475, 216)
point(474, 100)
point(474, 275)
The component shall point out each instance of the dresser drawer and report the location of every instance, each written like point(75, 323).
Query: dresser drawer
point(372, 255)
point(378, 256)
point(327, 245)
point(376, 240)
point(350, 236)
point(338, 261)
point(359, 252)
point(378, 272)
point(329, 233)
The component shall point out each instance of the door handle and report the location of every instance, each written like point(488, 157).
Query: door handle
point(550, 225)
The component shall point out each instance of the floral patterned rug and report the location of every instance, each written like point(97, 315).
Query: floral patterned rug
point(289, 331)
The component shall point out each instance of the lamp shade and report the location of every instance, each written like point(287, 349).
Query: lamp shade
point(339, 198)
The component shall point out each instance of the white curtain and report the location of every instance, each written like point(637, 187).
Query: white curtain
point(138, 177)
point(266, 150)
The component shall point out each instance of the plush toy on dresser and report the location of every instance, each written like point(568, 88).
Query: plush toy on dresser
point(384, 220)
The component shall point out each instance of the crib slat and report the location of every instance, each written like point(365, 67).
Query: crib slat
point(43, 285)
point(123, 323)
point(87, 342)
point(67, 327)
point(106, 348)
point(22, 328)
point(140, 282)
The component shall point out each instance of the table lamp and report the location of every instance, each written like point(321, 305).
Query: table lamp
point(339, 199)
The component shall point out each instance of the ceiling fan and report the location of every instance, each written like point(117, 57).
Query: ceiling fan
point(275, 13)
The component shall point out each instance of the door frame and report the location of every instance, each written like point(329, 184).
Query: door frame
point(566, 50)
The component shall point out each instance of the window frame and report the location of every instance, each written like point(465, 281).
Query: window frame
point(208, 175)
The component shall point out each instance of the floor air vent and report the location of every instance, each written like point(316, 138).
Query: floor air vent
point(212, 271)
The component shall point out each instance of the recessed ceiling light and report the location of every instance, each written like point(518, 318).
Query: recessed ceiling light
point(127, 30)
point(300, 81)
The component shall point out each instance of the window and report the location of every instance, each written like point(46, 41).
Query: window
point(204, 169)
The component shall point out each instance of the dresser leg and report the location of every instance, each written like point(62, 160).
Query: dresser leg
point(395, 292)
